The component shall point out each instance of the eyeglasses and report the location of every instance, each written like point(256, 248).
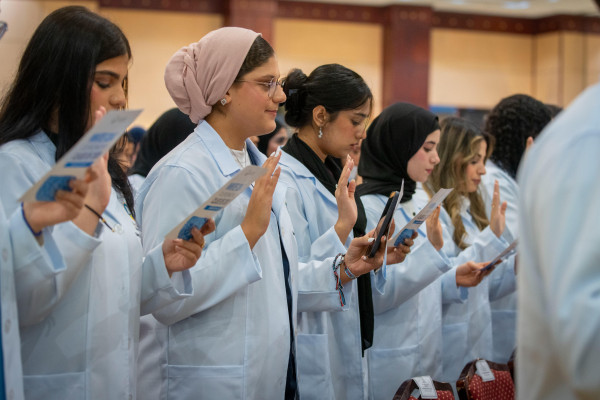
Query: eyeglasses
point(271, 85)
point(3, 28)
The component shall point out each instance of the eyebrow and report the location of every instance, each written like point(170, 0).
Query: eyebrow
point(361, 115)
point(430, 142)
point(112, 74)
point(266, 77)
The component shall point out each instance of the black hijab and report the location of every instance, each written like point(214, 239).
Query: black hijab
point(168, 131)
point(328, 173)
point(392, 139)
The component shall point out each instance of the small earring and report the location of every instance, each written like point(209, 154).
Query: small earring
point(223, 101)
point(320, 132)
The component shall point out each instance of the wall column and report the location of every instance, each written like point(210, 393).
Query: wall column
point(257, 15)
point(406, 54)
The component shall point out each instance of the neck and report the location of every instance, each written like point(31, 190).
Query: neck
point(307, 135)
point(232, 136)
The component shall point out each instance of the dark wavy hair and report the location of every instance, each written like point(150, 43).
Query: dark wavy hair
point(258, 54)
point(332, 86)
point(54, 81)
point(511, 122)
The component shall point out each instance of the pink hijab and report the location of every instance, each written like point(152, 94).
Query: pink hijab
point(199, 75)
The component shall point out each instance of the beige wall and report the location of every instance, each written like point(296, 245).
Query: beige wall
point(477, 69)
point(307, 44)
point(468, 69)
point(23, 16)
point(154, 37)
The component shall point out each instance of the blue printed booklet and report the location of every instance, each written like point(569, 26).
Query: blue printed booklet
point(415, 223)
point(93, 144)
point(216, 202)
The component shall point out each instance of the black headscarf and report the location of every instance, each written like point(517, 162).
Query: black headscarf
point(392, 139)
point(328, 173)
point(263, 140)
point(168, 131)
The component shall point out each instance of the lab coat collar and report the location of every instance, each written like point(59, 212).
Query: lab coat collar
point(44, 147)
point(217, 148)
point(295, 166)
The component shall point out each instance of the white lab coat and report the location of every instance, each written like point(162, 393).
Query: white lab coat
point(408, 313)
point(329, 350)
point(504, 310)
point(467, 327)
point(21, 256)
point(231, 339)
point(559, 276)
point(82, 341)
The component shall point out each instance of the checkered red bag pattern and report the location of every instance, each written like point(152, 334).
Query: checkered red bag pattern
point(502, 388)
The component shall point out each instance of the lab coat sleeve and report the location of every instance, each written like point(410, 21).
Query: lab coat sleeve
point(503, 280)
point(42, 276)
point(226, 265)
point(316, 282)
point(485, 247)
point(450, 292)
point(318, 285)
point(420, 268)
point(158, 289)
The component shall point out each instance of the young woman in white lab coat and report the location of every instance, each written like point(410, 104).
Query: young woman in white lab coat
point(401, 145)
point(513, 123)
point(83, 343)
point(235, 337)
point(467, 330)
point(329, 109)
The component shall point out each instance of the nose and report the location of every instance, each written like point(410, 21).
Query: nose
point(482, 170)
point(435, 158)
point(279, 96)
point(118, 99)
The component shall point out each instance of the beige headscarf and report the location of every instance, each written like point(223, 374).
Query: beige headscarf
point(199, 75)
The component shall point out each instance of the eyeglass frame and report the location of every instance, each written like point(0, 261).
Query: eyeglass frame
point(3, 28)
point(271, 85)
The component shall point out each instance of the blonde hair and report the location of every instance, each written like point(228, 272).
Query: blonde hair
point(459, 144)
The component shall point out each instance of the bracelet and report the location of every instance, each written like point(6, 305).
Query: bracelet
point(338, 282)
point(36, 234)
point(347, 270)
point(100, 217)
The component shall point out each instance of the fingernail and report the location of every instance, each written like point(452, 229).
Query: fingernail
point(371, 240)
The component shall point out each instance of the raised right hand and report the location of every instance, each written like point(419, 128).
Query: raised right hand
point(435, 232)
point(258, 215)
point(497, 217)
point(344, 196)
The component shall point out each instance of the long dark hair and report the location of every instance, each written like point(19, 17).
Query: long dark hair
point(54, 81)
point(332, 86)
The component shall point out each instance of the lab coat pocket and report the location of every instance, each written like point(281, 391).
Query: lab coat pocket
point(314, 374)
point(388, 368)
point(69, 386)
point(205, 382)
